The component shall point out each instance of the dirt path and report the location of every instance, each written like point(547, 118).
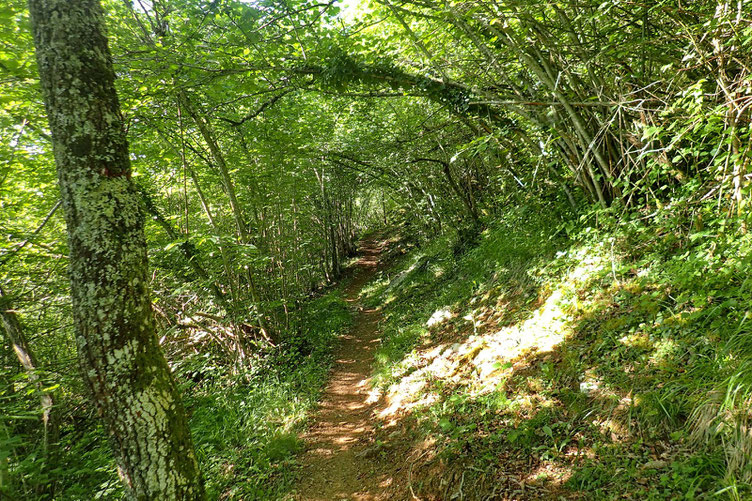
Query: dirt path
point(339, 462)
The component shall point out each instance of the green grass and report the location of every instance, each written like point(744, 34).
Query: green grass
point(436, 278)
point(245, 425)
point(652, 311)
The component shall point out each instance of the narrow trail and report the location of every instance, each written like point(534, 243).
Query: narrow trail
point(338, 463)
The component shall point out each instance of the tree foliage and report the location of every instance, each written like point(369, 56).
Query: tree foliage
point(266, 137)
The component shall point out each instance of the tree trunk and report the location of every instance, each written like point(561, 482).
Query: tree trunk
point(12, 326)
point(219, 159)
point(119, 353)
point(188, 250)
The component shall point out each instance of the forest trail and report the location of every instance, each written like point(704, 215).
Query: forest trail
point(338, 463)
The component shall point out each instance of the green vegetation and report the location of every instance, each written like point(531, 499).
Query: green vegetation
point(565, 190)
point(245, 424)
point(610, 359)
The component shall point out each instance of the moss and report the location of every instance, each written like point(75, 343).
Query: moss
point(123, 366)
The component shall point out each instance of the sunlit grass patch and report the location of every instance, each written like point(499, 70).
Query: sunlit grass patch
point(581, 346)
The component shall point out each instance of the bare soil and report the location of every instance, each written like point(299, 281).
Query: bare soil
point(342, 460)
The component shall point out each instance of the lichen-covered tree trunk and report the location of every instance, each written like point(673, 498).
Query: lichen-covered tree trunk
point(120, 357)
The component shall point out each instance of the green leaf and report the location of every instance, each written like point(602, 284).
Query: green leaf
point(502, 366)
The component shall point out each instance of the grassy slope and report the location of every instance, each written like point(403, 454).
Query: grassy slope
point(610, 363)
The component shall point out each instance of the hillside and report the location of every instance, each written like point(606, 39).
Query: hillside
point(609, 362)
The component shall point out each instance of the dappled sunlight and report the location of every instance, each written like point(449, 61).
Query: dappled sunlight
point(439, 316)
point(549, 474)
point(554, 371)
point(342, 460)
point(482, 361)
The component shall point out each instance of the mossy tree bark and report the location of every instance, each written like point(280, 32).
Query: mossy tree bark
point(120, 357)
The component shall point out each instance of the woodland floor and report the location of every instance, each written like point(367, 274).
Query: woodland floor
point(339, 462)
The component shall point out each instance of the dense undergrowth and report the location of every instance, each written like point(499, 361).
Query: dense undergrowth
point(543, 349)
point(600, 357)
point(245, 423)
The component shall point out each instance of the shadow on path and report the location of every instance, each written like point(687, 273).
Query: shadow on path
point(339, 463)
